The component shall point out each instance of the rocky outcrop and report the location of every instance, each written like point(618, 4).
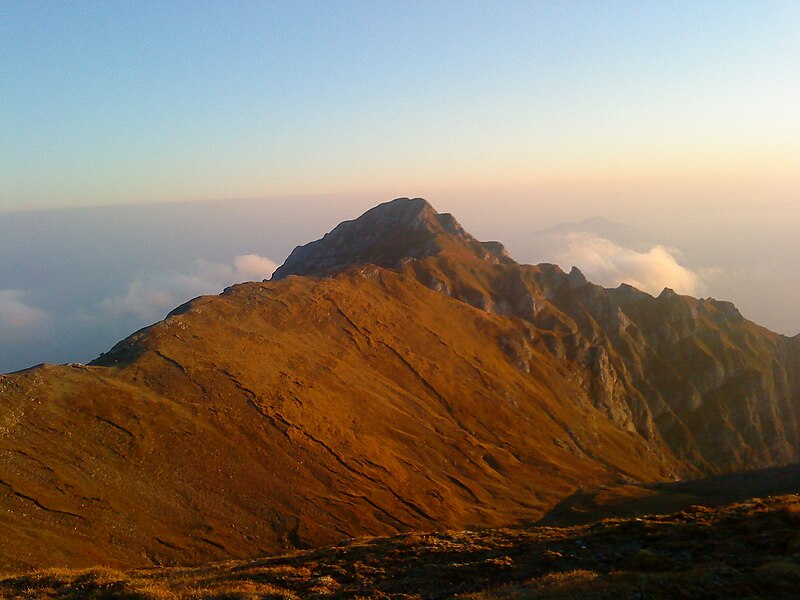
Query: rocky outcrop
point(386, 235)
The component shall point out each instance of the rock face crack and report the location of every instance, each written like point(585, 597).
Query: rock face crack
point(39, 504)
point(167, 544)
point(180, 367)
point(34, 459)
point(428, 386)
point(466, 488)
point(383, 485)
point(379, 509)
point(364, 333)
point(254, 401)
point(115, 426)
point(345, 316)
point(211, 542)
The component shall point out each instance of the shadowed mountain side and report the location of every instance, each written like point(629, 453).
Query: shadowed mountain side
point(634, 500)
point(292, 414)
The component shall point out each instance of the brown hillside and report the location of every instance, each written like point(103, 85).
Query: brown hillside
point(294, 413)
point(693, 378)
point(408, 377)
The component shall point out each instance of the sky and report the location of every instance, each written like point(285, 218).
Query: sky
point(151, 150)
point(120, 102)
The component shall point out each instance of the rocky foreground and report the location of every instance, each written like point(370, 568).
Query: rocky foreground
point(749, 549)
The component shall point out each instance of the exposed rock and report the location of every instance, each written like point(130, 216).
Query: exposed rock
point(626, 294)
point(385, 236)
point(576, 278)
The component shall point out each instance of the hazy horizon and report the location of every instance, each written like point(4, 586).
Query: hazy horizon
point(84, 279)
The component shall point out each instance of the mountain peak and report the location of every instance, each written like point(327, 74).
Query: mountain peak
point(413, 213)
point(386, 235)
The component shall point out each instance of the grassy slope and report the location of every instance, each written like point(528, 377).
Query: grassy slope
point(294, 414)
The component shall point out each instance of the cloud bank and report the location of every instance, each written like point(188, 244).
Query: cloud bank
point(31, 335)
point(610, 264)
point(18, 319)
point(150, 296)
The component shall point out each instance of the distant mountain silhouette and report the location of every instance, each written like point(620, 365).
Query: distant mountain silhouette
point(396, 375)
point(544, 244)
point(619, 233)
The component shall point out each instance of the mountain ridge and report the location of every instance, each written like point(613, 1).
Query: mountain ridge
point(373, 387)
point(602, 331)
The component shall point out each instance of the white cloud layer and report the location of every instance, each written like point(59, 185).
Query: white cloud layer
point(152, 295)
point(255, 266)
point(29, 335)
point(19, 320)
point(609, 264)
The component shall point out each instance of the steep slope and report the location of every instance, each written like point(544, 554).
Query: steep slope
point(693, 378)
point(389, 235)
point(294, 413)
point(396, 375)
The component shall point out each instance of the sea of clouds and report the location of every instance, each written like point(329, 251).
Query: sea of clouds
point(610, 264)
point(30, 335)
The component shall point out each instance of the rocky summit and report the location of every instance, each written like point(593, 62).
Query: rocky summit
point(387, 236)
point(397, 375)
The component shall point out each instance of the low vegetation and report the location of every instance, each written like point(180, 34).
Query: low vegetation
point(749, 549)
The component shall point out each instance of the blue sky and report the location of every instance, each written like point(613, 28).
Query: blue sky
point(120, 102)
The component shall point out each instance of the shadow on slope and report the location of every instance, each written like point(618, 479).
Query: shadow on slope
point(626, 501)
point(750, 549)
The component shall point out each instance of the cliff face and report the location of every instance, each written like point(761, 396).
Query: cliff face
point(406, 377)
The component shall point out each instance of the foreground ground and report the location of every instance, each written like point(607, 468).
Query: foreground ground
point(744, 550)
